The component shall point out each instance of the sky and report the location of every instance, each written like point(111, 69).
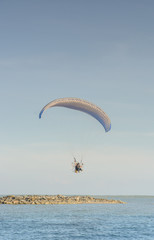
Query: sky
point(101, 51)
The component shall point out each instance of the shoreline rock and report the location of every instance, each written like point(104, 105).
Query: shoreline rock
point(55, 199)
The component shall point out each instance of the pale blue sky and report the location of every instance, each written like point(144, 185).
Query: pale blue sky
point(101, 51)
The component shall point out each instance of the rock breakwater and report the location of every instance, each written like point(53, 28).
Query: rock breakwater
point(53, 199)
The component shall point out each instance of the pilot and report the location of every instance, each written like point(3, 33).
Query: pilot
point(78, 167)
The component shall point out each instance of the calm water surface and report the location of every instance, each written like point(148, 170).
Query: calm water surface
point(134, 220)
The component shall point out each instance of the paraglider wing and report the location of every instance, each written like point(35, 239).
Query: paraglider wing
point(83, 106)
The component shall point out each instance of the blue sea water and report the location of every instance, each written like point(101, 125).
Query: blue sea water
point(134, 220)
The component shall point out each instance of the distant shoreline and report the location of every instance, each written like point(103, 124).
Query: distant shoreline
point(55, 199)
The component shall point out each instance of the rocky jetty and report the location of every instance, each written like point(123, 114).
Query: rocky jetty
point(53, 199)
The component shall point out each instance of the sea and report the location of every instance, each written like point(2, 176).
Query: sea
point(133, 220)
